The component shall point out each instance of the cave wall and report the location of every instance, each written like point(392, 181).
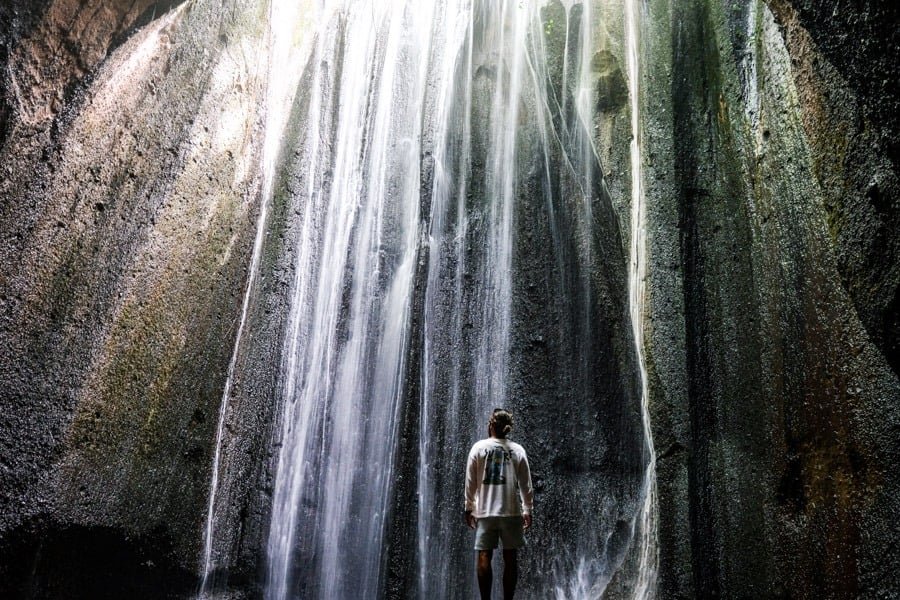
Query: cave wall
point(130, 150)
point(770, 178)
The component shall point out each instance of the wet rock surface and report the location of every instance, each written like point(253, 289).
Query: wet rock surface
point(844, 63)
point(126, 212)
point(773, 387)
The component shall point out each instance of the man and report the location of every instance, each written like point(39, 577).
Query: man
point(497, 475)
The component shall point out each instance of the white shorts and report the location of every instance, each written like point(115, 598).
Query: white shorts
point(509, 530)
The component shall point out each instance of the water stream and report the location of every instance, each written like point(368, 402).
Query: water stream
point(645, 524)
point(455, 250)
point(349, 322)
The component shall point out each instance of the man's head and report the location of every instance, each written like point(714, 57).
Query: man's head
point(500, 424)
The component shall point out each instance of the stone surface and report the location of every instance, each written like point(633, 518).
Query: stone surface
point(773, 387)
point(126, 213)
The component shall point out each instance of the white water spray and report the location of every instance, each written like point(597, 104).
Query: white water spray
point(345, 352)
point(459, 100)
point(637, 273)
point(279, 89)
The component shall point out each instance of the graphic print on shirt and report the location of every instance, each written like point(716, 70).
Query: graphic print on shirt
point(496, 458)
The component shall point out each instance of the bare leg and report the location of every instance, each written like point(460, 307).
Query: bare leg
point(510, 573)
point(485, 573)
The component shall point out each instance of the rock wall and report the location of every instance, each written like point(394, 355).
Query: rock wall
point(771, 190)
point(127, 211)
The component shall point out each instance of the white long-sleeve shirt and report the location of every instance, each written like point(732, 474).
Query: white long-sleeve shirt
point(496, 470)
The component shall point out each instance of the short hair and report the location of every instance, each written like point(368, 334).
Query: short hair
point(502, 420)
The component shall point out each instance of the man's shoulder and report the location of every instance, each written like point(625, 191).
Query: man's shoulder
point(488, 443)
point(480, 444)
point(517, 448)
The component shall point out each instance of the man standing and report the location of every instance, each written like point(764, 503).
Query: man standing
point(497, 475)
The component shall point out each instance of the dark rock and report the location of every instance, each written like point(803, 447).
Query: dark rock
point(612, 89)
point(768, 354)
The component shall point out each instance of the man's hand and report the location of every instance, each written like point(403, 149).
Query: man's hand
point(470, 520)
point(526, 521)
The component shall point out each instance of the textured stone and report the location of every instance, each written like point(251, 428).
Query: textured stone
point(126, 214)
point(774, 404)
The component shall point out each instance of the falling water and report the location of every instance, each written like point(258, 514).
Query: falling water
point(349, 321)
point(467, 240)
point(278, 94)
point(437, 140)
point(646, 521)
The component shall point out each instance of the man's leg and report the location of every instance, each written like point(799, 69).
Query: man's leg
point(510, 573)
point(485, 573)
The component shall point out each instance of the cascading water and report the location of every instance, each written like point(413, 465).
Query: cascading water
point(455, 249)
point(278, 94)
point(349, 323)
point(646, 522)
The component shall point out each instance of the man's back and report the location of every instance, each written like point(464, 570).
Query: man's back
point(497, 473)
point(499, 501)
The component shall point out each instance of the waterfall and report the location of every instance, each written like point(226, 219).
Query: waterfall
point(278, 94)
point(487, 36)
point(637, 273)
point(350, 313)
point(454, 248)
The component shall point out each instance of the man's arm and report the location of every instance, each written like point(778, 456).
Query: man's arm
point(523, 475)
point(471, 486)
